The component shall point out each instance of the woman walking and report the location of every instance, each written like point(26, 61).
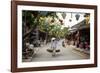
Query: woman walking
point(53, 46)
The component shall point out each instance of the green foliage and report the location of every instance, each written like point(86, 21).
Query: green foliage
point(28, 18)
point(38, 18)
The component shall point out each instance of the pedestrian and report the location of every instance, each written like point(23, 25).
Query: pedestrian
point(63, 44)
point(53, 46)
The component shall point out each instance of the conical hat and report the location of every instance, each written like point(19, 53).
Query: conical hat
point(31, 46)
point(53, 39)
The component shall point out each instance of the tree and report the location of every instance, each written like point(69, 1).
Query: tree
point(37, 20)
point(65, 31)
point(46, 25)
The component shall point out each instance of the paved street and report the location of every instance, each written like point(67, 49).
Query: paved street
point(66, 53)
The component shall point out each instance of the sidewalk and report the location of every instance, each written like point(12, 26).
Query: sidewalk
point(81, 50)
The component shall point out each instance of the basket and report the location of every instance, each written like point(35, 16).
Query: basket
point(50, 50)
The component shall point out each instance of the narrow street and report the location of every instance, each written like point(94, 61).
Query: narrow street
point(41, 26)
point(66, 53)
